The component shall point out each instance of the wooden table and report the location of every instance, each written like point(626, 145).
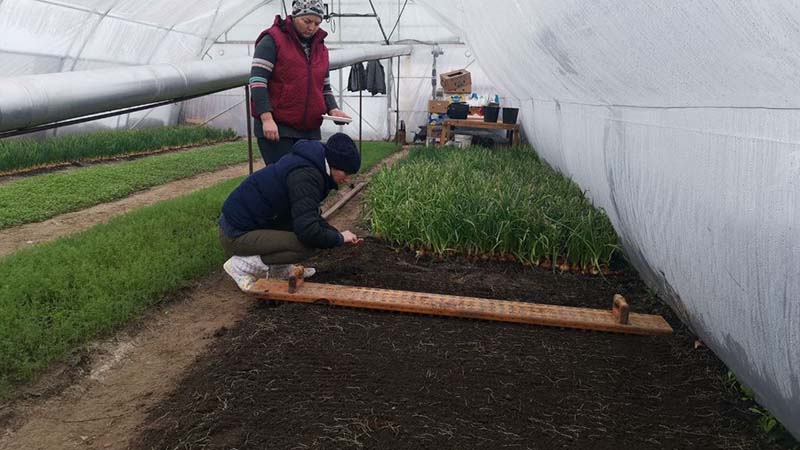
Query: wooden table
point(448, 126)
point(434, 132)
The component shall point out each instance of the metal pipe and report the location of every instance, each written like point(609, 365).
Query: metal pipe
point(380, 25)
point(397, 103)
point(436, 52)
point(360, 119)
point(341, 72)
point(249, 120)
point(83, 119)
point(33, 100)
point(246, 102)
point(351, 15)
point(389, 95)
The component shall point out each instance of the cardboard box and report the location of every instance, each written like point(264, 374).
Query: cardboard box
point(456, 82)
point(437, 106)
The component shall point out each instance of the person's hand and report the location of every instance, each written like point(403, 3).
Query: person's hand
point(270, 127)
point(339, 113)
point(351, 238)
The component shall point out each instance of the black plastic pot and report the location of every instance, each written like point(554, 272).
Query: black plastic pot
point(510, 115)
point(458, 110)
point(490, 113)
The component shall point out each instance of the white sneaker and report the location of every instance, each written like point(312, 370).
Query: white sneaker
point(245, 270)
point(281, 271)
point(255, 266)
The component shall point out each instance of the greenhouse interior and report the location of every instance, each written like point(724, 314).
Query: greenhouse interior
point(522, 224)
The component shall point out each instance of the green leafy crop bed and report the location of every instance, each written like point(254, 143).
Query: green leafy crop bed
point(501, 203)
point(20, 154)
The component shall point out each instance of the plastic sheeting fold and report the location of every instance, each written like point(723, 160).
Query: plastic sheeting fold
point(680, 119)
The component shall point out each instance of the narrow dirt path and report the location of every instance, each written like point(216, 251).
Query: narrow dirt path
point(126, 375)
point(16, 238)
point(99, 400)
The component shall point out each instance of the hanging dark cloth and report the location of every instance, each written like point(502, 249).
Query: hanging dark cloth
point(358, 78)
point(376, 78)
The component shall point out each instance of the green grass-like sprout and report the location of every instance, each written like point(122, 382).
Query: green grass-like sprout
point(26, 153)
point(503, 202)
point(57, 296)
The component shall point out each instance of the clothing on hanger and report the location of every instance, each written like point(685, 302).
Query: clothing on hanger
point(376, 78)
point(357, 81)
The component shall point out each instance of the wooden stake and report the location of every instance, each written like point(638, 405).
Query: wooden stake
point(620, 309)
point(295, 278)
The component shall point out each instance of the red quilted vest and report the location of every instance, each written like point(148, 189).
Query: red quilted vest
point(295, 87)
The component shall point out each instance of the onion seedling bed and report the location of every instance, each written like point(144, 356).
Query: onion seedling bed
point(27, 154)
point(502, 204)
point(316, 377)
point(40, 197)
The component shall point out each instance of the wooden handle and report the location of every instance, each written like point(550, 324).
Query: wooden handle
point(620, 309)
point(295, 278)
point(297, 271)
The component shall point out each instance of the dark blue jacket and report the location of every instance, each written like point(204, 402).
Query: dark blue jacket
point(285, 196)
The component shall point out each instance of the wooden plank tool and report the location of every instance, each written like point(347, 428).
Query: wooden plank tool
point(617, 320)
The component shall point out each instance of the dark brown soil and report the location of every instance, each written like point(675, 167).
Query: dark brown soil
point(315, 377)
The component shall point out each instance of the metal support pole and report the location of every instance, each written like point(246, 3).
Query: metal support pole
point(397, 103)
point(341, 71)
point(389, 96)
point(380, 25)
point(436, 52)
point(360, 117)
point(249, 121)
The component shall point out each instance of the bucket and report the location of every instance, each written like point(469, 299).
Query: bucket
point(462, 140)
point(510, 115)
point(490, 113)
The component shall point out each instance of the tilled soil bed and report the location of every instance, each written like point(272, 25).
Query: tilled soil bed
point(315, 377)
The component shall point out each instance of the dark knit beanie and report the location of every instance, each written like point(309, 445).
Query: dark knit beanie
point(342, 153)
point(308, 7)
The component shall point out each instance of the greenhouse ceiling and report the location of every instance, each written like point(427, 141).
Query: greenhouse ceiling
point(42, 36)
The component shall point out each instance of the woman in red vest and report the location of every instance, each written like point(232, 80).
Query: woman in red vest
point(290, 81)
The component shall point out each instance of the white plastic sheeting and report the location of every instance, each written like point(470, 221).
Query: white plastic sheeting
point(227, 109)
point(45, 36)
point(680, 119)
point(42, 36)
point(32, 100)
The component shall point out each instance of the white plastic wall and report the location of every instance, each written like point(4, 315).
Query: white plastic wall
point(681, 120)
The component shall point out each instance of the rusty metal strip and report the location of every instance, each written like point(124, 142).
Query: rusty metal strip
point(466, 307)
